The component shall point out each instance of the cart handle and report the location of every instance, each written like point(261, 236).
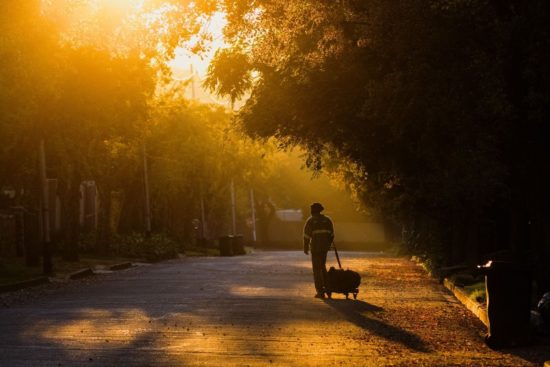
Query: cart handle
point(337, 257)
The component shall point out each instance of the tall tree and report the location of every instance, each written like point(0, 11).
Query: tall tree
point(434, 101)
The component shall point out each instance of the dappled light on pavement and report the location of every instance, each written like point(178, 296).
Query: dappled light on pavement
point(92, 328)
point(255, 310)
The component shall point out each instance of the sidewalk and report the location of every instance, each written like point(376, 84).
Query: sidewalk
point(255, 310)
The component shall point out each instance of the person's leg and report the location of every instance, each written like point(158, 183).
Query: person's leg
point(323, 260)
point(318, 273)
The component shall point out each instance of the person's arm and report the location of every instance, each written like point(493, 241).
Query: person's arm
point(307, 237)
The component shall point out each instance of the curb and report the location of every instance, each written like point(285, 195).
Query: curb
point(473, 306)
point(121, 266)
point(25, 284)
point(79, 274)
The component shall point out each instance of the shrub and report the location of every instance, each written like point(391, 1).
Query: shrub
point(463, 279)
point(477, 292)
point(155, 248)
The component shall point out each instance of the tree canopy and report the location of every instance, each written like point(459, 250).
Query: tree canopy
point(437, 105)
point(433, 113)
point(91, 80)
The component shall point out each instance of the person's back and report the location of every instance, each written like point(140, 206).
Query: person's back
point(318, 237)
point(321, 232)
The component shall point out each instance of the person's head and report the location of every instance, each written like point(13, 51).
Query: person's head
point(316, 208)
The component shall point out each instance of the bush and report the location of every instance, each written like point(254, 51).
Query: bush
point(155, 248)
point(87, 242)
point(477, 292)
point(464, 279)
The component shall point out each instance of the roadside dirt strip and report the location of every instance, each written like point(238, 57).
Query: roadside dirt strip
point(255, 310)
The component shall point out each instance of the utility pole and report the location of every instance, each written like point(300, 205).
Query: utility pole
point(253, 207)
point(45, 212)
point(233, 211)
point(147, 199)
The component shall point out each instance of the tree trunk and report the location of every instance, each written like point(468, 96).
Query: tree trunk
point(131, 213)
point(265, 212)
point(32, 238)
point(70, 202)
point(456, 244)
point(104, 231)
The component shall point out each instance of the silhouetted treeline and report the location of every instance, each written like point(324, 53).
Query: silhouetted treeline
point(441, 109)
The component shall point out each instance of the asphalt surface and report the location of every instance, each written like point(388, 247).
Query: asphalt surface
point(254, 310)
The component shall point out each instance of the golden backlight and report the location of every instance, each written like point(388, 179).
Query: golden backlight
point(210, 37)
point(187, 64)
point(126, 22)
point(184, 57)
point(121, 5)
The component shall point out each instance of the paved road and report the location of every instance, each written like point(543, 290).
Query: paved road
point(255, 310)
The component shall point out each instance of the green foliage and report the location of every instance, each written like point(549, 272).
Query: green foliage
point(136, 245)
point(439, 104)
point(477, 292)
point(433, 113)
point(195, 152)
point(229, 74)
point(14, 270)
point(90, 79)
point(463, 279)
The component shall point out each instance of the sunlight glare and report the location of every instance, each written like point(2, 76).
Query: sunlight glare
point(184, 58)
point(122, 5)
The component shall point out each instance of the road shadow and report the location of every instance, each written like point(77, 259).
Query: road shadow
point(537, 353)
point(247, 297)
point(356, 312)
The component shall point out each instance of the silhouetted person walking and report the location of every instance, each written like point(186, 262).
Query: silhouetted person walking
point(318, 237)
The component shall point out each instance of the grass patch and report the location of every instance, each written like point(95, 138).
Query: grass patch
point(464, 279)
point(476, 292)
point(14, 270)
point(132, 248)
point(155, 248)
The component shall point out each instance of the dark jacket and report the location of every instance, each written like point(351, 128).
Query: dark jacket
point(318, 233)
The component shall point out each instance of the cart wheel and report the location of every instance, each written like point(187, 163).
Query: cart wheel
point(355, 296)
point(329, 294)
point(347, 295)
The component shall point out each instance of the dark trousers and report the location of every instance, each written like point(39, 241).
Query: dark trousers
point(318, 262)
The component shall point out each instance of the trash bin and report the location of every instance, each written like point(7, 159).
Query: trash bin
point(238, 245)
point(508, 287)
point(226, 245)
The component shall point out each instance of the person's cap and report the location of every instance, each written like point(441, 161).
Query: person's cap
point(317, 207)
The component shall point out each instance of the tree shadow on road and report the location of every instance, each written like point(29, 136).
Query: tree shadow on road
point(242, 297)
point(354, 312)
point(537, 353)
